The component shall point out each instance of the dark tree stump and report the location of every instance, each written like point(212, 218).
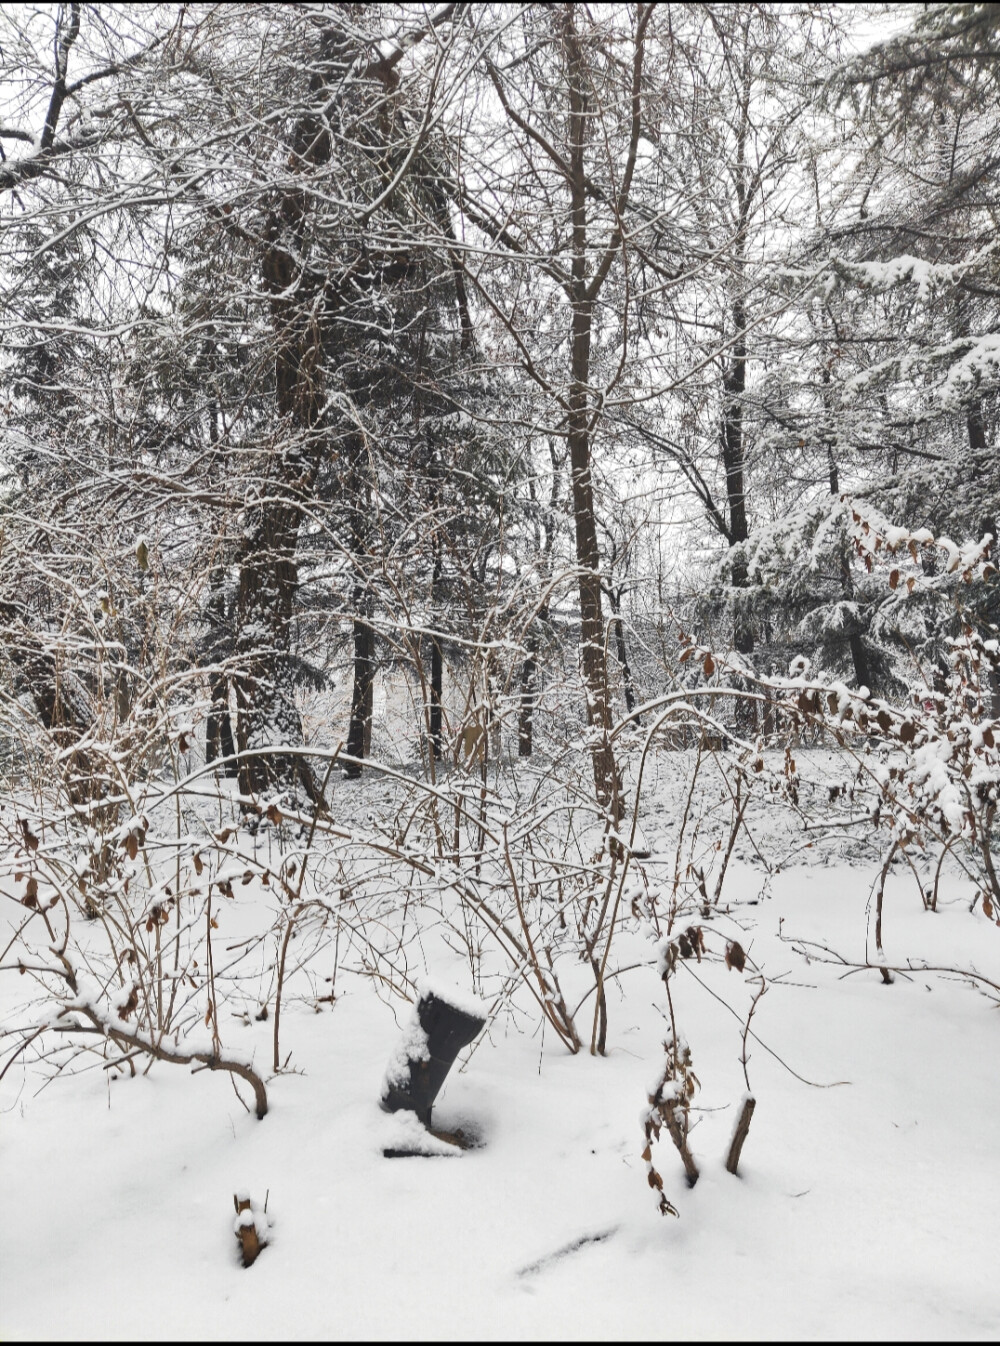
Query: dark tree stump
point(415, 1076)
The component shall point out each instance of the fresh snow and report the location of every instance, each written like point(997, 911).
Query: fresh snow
point(865, 1205)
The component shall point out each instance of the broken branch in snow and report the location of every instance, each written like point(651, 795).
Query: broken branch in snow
point(740, 1134)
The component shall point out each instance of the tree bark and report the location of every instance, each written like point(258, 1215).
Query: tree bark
point(734, 387)
point(219, 739)
point(362, 696)
point(734, 382)
point(529, 669)
point(606, 783)
point(267, 713)
point(529, 691)
point(436, 688)
point(622, 653)
point(359, 732)
point(863, 672)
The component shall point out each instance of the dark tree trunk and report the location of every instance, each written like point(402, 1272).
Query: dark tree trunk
point(360, 729)
point(734, 382)
point(435, 739)
point(582, 294)
point(268, 717)
point(434, 723)
point(267, 714)
point(619, 632)
point(529, 692)
point(219, 738)
point(359, 733)
point(734, 388)
point(529, 669)
point(863, 671)
point(975, 427)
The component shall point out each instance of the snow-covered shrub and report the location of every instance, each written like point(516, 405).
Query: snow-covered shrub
point(924, 768)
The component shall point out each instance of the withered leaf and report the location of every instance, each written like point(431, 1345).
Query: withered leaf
point(736, 959)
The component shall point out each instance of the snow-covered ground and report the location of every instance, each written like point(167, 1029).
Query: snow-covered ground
point(864, 1208)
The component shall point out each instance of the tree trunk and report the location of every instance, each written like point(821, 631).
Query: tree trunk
point(975, 426)
point(734, 382)
point(267, 715)
point(734, 387)
point(529, 693)
point(360, 728)
point(358, 491)
point(619, 631)
point(219, 739)
point(437, 679)
point(529, 669)
point(863, 672)
point(434, 716)
point(606, 783)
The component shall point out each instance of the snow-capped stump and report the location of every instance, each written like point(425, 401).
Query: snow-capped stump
point(251, 1227)
point(444, 1020)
